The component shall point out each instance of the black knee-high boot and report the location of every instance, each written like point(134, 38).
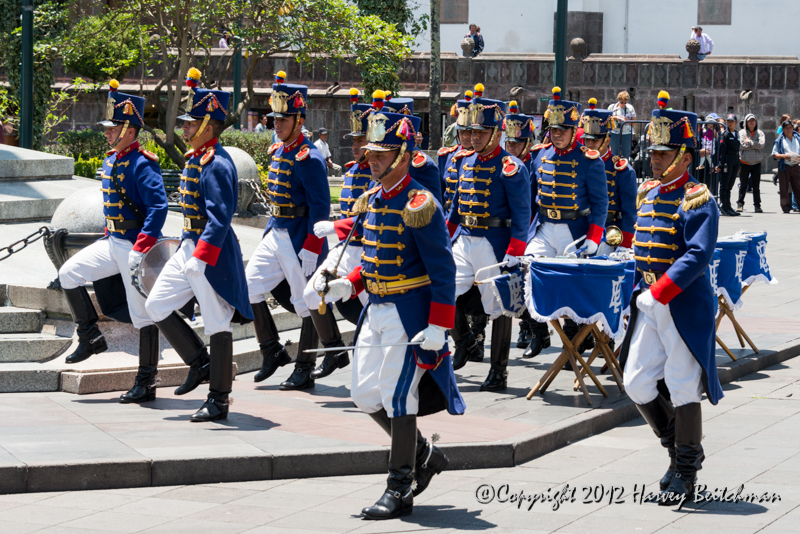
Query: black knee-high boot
point(329, 336)
point(189, 347)
point(221, 380)
point(398, 499)
point(304, 364)
point(273, 354)
point(466, 345)
point(660, 415)
point(90, 339)
point(539, 335)
point(689, 454)
point(144, 385)
point(501, 346)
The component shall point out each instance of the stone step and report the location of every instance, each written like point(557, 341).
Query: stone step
point(19, 320)
point(36, 199)
point(31, 347)
point(20, 164)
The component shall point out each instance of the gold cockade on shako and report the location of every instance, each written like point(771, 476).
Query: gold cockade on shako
point(514, 128)
point(376, 127)
point(660, 130)
point(279, 101)
point(592, 125)
point(555, 115)
point(355, 121)
point(476, 113)
point(463, 117)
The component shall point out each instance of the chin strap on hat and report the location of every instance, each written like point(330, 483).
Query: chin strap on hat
point(202, 127)
point(681, 152)
point(122, 132)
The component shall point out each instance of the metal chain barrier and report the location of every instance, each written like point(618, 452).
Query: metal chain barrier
point(7, 252)
point(257, 191)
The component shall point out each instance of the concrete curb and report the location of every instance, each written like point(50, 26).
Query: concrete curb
point(367, 460)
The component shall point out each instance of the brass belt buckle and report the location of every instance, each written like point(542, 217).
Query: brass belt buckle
point(276, 210)
point(649, 277)
point(187, 223)
point(111, 226)
point(471, 220)
point(378, 288)
point(554, 214)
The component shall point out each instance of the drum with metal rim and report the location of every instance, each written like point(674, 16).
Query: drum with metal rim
point(145, 275)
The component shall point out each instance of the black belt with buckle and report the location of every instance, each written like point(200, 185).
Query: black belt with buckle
point(651, 277)
point(190, 223)
point(283, 211)
point(116, 226)
point(612, 217)
point(489, 222)
point(568, 215)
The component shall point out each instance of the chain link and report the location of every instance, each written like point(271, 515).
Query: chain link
point(7, 252)
point(257, 190)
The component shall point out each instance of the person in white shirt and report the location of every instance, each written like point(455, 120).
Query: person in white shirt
point(621, 136)
point(224, 40)
point(261, 127)
point(322, 145)
point(706, 43)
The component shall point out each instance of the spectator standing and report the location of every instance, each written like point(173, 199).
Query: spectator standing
point(708, 149)
point(729, 146)
point(224, 41)
point(322, 145)
point(752, 140)
point(785, 149)
point(621, 136)
point(261, 127)
point(477, 38)
point(706, 43)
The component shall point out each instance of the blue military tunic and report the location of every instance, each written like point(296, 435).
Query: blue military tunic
point(357, 180)
point(209, 189)
point(676, 233)
point(298, 181)
point(425, 171)
point(574, 180)
point(451, 176)
point(621, 179)
point(406, 244)
point(443, 157)
point(494, 185)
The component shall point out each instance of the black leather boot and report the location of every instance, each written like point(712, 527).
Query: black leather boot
point(689, 455)
point(221, 380)
point(501, 346)
point(189, 347)
point(329, 335)
point(478, 328)
point(90, 339)
point(660, 415)
point(571, 330)
point(466, 345)
point(398, 499)
point(540, 338)
point(144, 386)
point(524, 337)
point(273, 354)
point(305, 362)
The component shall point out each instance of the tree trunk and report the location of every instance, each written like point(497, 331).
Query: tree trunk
point(435, 141)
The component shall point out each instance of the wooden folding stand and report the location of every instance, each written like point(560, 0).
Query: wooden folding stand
point(569, 354)
point(601, 346)
point(725, 310)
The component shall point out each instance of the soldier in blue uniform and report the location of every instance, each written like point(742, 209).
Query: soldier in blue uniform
point(208, 264)
point(572, 198)
point(519, 135)
point(300, 197)
point(671, 332)
point(135, 208)
point(489, 223)
point(620, 176)
point(450, 158)
point(408, 270)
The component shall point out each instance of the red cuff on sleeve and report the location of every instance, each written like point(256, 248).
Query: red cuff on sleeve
point(443, 315)
point(627, 240)
point(207, 252)
point(343, 227)
point(595, 233)
point(516, 247)
point(313, 243)
point(355, 279)
point(144, 242)
point(451, 227)
point(665, 290)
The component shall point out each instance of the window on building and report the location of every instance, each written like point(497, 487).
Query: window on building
point(714, 12)
point(454, 11)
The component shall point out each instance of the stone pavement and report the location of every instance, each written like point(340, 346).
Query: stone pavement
point(751, 438)
point(55, 441)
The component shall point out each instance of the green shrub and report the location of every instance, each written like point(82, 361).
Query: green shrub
point(87, 167)
point(82, 144)
point(147, 142)
point(255, 144)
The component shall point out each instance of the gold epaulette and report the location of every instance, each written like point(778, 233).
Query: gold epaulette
point(349, 164)
point(361, 204)
point(149, 155)
point(645, 188)
point(419, 209)
point(696, 195)
point(447, 150)
point(303, 153)
point(510, 167)
point(463, 153)
point(419, 159)
point(274, 147)
point(208, 156)
point(589, 153)
point(619, 163)
point(540, 146)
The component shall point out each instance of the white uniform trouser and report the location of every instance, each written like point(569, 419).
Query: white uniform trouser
point(273, 261)
point(385, 377)
point(102, 259)
point(471, 254)
point(657, 351)
point(352, 258)
point(550, 240)
point(605, 249)
point(173, 289)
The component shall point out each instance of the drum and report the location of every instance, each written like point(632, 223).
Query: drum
point(145, 275)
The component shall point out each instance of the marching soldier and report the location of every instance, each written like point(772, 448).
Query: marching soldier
point(300, 197)
point(671, 331)
point(208, 264)
point(620, 177)
point(489, 222)
point(450, 158)
point(572, 199)
point(135, 210)
point(408, 270)
point(519, 135)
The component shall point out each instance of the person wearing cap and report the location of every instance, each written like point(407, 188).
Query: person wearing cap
point(620, 177)
point(408, 270)
point(208, 264)
point(134, 217)
point(489, 222)
point(572, 193)
point(322, 146)
point(357, 180)
point(299, 198)
point(729, 146)
point(671, 333)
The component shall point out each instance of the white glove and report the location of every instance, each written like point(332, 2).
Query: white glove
point(319, 283)
point(339, 289)
point(589, 248)
point(646, 302)
point(512, 261)
point(134, 259)
point(432, 338)
point(323, 228)
point(194, 268)
point(309, 260)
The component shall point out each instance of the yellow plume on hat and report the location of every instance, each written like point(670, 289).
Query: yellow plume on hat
point(468, 93)
point(193, 73)
point(593, 101)
point(378, 94)
point(114, 84)
point(663, 94)
point(479, 88)
point(353, 91)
